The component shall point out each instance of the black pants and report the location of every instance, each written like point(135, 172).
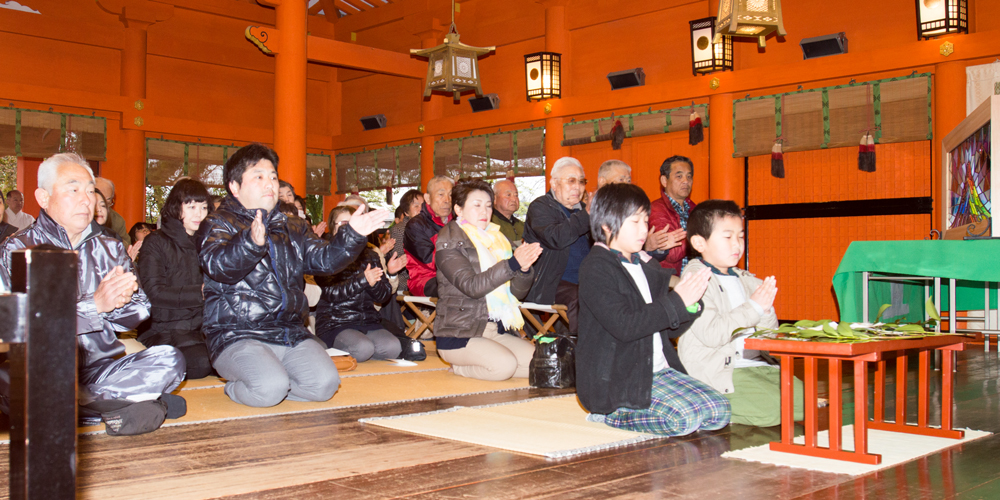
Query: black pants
point(568, 294)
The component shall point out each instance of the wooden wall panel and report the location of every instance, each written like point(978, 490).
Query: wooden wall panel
point(902, 170)
point(803, 254)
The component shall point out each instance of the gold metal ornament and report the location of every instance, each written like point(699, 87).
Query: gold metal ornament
point(139, 105)
point(548, 108)
point(138, 121)
point(714, 83)
point(420, 128)
point(946, 49)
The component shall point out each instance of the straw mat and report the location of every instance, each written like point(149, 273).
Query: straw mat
point(895, 448)
point(554, 427)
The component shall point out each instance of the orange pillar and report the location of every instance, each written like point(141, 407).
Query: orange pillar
point(557, 40)
point(430, 109)
point(949, 111)
point(290, 92)
point(725, 173)
point(130, 181)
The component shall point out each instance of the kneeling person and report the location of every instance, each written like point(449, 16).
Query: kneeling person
point(735, 300)
point(130, 393)
point(480, 281)
point(254, 258)
point(628, 375)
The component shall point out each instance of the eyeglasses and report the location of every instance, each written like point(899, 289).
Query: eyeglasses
point(573, 181)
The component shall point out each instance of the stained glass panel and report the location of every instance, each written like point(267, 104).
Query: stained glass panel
point(970, 180)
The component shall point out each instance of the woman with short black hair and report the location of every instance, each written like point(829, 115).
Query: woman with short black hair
point(480, 282)
point(171, 277)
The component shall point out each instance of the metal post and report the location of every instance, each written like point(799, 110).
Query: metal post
point(43, 374)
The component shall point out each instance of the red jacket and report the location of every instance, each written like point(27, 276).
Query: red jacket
point(419, 239)
point(661, 214)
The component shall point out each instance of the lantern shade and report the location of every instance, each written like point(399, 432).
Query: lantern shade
point(543, 75)
point(706, 54)
point(453, 66)
point(941, 17)
point(750, 18)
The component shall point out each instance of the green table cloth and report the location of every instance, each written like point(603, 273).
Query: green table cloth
point(972, 262)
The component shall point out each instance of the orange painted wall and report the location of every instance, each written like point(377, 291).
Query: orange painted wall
point(803, 254)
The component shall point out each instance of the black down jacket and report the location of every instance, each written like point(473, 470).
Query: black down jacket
point(256, 292)
point(348, 299)
point(171, 276)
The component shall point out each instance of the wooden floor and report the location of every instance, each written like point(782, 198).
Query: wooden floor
point(330, 455)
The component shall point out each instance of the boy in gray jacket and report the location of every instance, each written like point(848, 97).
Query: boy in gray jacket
point(735, 301)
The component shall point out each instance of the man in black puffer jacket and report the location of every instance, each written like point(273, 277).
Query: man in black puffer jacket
point(254, 258)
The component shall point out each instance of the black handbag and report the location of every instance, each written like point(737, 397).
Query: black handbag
point(553, 365)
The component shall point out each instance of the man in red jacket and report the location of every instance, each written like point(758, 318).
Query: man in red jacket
point(421, 235)
point(670, 212)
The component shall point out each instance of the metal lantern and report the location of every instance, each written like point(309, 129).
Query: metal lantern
point(942, 17)
point(543, 75)
point(750, 18)
point(453, 66)
point(706, 55)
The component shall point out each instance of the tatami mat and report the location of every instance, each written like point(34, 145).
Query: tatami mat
point(553, 427)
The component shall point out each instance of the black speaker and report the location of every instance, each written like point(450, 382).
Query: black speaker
point(484, 103)
point(373, 122)
point(628, 78)
point(826, 45)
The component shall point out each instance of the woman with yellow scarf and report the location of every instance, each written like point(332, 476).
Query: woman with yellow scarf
point(479, 283)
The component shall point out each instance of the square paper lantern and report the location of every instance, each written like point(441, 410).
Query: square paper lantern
point(941, 17)
point(706, 55)
point(750, 18)
point(542, 74)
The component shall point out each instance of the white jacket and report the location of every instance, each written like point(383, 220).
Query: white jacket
point(706, 349)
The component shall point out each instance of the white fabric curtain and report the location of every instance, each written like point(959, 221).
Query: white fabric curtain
point(982, 81)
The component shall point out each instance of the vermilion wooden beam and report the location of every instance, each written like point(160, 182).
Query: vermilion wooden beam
point(342, 54)
point(687, 88)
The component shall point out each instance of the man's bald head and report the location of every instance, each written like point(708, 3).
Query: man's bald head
point(505, 198)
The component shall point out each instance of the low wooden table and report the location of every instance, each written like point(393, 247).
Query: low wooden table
point(861, 354)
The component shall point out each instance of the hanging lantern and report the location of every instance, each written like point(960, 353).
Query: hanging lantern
point(706, 55)
point(453, 66)
point(751, 18)
point(941, 17)
point(543, 75)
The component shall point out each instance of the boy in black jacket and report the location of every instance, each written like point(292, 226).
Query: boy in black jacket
point(628, 374)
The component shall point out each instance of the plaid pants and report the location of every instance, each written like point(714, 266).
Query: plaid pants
point(680, 405)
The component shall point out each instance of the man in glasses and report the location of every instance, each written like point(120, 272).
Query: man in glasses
point(560, 222)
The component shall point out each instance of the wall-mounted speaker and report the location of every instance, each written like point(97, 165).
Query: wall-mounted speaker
point(373, 122)
point(484, 103)
point(826, 45)
point(628, 78)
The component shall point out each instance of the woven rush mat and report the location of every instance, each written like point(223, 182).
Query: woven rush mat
point(895, 448)
point(210, 404)
point(553, 427)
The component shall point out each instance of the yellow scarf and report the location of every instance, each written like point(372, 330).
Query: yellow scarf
point(492, 247)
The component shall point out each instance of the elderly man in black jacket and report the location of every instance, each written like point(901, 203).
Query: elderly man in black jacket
point(130, 393)
point(561, 223)
point(254, 259)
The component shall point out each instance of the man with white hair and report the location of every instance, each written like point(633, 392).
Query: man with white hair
point(129, 393)
point(115, 221)
point(561, 223)
point(505, 203)
point(614, 172)
point(15, 214)
point(420, 236)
